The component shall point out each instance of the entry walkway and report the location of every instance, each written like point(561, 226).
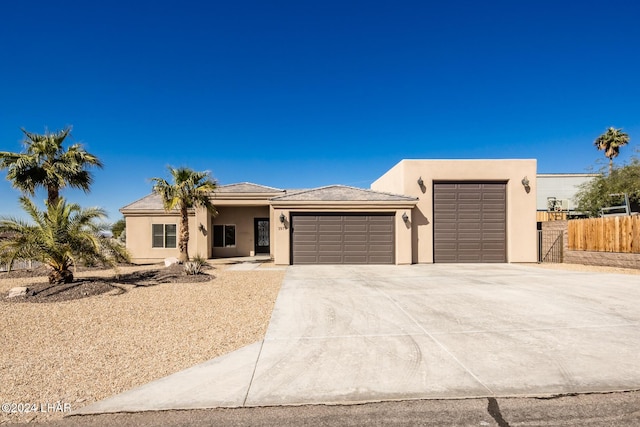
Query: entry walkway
point(346, 334)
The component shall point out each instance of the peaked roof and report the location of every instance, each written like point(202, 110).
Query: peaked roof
point(151, 201)
point(329, 193)
point(343, 193)
point(247, 187)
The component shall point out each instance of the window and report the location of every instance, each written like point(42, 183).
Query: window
point(224, 236)
point(164, 236)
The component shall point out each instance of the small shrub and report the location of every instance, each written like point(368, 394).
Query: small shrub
point(192, 268)
point(195, 265)
point(199, 259)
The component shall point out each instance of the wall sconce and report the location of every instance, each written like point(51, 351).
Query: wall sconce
point(202, 229)
point(405, 217)
point(525, 184)
point(420, 182)
point(282, 218)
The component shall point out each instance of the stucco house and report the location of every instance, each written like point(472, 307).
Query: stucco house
point(420, 211)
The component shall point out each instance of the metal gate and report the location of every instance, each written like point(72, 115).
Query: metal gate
point(550, 243)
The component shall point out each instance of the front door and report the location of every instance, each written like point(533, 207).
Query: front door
point(261, 235)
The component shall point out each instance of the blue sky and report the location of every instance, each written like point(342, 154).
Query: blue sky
point(298, 94)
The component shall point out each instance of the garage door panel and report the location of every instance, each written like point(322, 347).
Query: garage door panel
point(380, 218)
point(469, 246)
point(494, 216)
point(327, 238)
point(488, 246)
point(469, 236)
point(471, 216)
point(328, 259)
point(381, 248)
point(464, 196)
point(381, 228)
point(380, 238)
point(323, 247)
point(469, 232)
point(306, 238)
point(307, 248)
point(355, 228)
point(353, 218)
point(351, 259)
point(465, 257)
point(342, 238)
point(308, 228)
point(386, 259)
point(465, 226)
point(329, 228)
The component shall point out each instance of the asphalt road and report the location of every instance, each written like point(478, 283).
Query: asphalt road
point(611, 409)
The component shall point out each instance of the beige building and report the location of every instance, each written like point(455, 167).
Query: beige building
point(420, 211)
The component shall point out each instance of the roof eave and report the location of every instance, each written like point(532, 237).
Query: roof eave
point(302, 204)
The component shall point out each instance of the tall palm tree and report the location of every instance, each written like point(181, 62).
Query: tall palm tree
point(46, 164)
point(60, 236)
point(189, 189)
point(610, 142)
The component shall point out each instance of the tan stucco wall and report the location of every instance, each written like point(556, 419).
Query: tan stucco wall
point(282, 232)
point(139, 237)
point(521, 206)
point(243, 218)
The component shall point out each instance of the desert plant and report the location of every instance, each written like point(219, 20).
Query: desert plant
point(189, 189)
point(46, 164)
point(195, 265)
point(61, 236)
point(118, 227)
point(192, 268)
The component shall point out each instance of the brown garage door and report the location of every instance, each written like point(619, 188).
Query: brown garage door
point(469, 222)
point(342, 238)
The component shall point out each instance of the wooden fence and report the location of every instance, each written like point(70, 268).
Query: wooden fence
point(608, 234)
point(542, 216)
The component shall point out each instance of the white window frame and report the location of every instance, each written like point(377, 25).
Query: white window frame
point(164, 236)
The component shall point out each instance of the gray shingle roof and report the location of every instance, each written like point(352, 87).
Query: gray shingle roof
point(151, 201)
point(247, 187)
point(329, 193)
point(343, 193)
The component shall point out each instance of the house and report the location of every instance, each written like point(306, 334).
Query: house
point(420, 211)
point(556, 193)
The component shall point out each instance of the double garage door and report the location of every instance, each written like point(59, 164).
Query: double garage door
point(342, 238)
point(469, 222)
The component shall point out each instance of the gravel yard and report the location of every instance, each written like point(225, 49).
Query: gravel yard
point(81, 351)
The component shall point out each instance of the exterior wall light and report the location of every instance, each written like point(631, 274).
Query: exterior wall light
point(525, 184)
point(420, 182)
point(405, 217)
point(282, 218)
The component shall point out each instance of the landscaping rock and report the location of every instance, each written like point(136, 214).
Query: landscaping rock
point(168, 262)
point(19, 291)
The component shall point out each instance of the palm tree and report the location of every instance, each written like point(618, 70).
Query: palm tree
point(63, 235)
point(610, 142)
point(46, 164)
point(189, 189)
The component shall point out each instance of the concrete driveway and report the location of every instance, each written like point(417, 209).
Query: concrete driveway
point(344, 334)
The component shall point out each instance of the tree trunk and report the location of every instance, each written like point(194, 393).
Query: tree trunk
point(610, 165)
point(183, 243)
point(53, 194)
point(58, 277)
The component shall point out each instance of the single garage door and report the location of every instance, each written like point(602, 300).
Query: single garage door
point(342, 238)
point(469, 222)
